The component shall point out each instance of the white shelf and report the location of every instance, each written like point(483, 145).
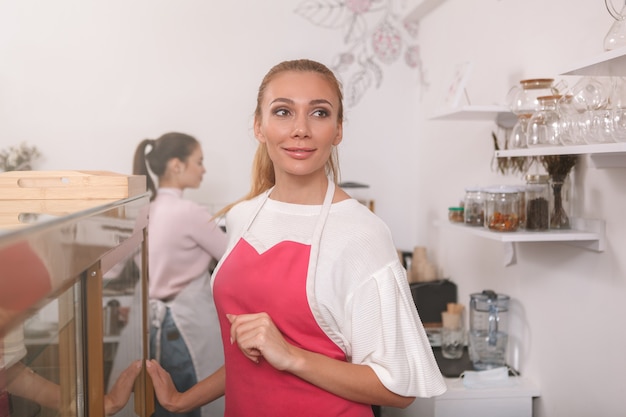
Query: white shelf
point(605, 155)
point(422, 9)
point(472, 113)
point(611, 63)
point(586, 233)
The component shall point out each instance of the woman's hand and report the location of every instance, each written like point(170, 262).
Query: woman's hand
point(163, 385)
point(119, 394)
point(258, 337)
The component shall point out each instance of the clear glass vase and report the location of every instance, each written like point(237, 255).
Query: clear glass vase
point(558, 216)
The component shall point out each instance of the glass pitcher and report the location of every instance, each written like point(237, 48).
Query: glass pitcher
point(488, 336)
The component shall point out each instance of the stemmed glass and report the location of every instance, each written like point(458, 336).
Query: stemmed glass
point(618, 100)
point(591, 98)
point(616, 36)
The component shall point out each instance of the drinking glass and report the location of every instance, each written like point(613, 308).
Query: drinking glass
point(452, 335)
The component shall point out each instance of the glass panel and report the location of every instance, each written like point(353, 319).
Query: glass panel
point(41, 366)
point(122, 321)
point(48, 330)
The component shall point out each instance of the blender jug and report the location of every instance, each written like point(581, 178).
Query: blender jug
point(488, 336)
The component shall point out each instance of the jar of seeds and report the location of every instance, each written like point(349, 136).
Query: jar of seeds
point(474, 214)
point(537, 202)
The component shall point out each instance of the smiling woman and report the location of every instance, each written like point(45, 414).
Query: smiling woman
point(299, 128)
point(310, 294)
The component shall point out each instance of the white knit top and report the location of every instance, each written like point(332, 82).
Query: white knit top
point(360, 296)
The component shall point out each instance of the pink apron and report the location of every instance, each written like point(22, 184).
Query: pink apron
point(275, 282)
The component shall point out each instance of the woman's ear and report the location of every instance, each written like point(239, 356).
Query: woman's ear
point(175, 165)
point(258, 134)
point(339, 136)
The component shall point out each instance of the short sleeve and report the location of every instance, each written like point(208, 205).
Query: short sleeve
point(387, 335)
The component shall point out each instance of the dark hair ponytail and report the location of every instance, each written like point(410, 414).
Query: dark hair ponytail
point(168, 146)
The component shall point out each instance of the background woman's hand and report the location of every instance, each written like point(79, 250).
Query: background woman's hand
point(258, 337)
point(119, 394)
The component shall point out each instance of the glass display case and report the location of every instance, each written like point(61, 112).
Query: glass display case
point(73, 291)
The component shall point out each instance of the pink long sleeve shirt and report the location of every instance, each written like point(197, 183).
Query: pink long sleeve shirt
point(182, 241)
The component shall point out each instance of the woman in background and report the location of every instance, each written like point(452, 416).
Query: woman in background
point(183, 242)
point(316, 314)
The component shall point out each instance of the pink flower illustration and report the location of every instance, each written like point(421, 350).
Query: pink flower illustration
point(387, 43)
point(412, 56)
point(358, 6)
point(374, 34)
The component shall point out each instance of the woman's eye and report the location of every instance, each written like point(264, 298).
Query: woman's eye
point(320, 113)
point(281, 112)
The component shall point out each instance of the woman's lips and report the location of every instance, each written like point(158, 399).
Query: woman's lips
point(299, 153)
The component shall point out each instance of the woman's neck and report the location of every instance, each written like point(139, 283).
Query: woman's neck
point(300, 191)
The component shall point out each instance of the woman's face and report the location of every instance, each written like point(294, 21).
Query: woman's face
point(192, 170)
point(299, 123)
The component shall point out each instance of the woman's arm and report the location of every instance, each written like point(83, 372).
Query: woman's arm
point(205, 391)
point(206, 232)
point(259, 339)
point(27, 384)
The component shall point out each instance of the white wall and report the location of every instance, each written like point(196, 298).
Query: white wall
point(567, 301)
point(86, 81)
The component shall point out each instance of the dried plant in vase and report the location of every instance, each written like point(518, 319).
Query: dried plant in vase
point(18, 158)
point(512, 164)
point(558, 168)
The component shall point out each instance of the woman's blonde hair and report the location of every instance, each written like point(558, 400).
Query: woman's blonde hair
point(263, 177)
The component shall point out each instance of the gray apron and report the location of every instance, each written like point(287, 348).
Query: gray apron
point(195, 316)
point(196, 319)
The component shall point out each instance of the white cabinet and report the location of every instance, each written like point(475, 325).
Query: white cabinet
point(512, 400)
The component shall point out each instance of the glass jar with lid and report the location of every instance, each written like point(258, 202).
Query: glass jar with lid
point(502, 209)
point(537, 202)
point(523, 98)
point(474, 203)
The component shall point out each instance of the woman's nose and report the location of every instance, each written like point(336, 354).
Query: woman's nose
point(301, 127)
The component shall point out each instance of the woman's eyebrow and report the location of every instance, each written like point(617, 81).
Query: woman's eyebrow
point(290, 101)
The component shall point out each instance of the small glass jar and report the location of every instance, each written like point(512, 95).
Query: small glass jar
point(474, 203)
point(502, 209)
point(537, 202)
point(455, 214)
point(544, 125)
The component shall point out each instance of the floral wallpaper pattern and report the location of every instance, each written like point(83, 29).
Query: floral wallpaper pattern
point(374, 34)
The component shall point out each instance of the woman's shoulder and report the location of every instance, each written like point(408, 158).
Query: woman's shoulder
point(356, 232)
point(244, 206)
point(352, 215)
point(242, 211)
point(178, 206)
